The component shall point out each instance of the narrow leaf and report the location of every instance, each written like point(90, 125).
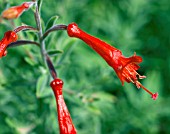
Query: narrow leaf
point(39, 4)
point(54, 52)
point(51, 22)
point(29, 61)
point(41, 84)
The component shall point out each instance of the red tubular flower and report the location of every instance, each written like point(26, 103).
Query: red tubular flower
point(124, 67)
point(9, 37)
point(16, 11)
point(64, 118)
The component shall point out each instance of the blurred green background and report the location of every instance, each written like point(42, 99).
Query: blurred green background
point(97, 101)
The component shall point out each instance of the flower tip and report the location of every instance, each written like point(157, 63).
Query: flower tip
point(155, 96)
point(25, 5)
point(73, 30)
point(5, 53)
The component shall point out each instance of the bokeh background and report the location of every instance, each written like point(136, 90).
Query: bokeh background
point(97, 101)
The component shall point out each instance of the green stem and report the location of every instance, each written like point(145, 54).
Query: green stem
point(22, 42)
point(40, 34)
point(54, 28)
point(21, 28)
point(44, 54)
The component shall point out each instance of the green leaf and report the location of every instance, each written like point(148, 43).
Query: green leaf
point(94, 110)
point(41, 84)
point(103, 96)
point(51, 22)
point(39, 4)
point(54, 52)
point(10, 122)
point(29, 61)
point(31, 35)
point(67, 50)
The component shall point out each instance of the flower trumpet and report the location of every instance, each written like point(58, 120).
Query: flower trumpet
point(125, 67)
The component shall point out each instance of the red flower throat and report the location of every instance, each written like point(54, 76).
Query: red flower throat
point(124, 67)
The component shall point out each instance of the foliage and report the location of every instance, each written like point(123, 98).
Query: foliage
point(98, 103)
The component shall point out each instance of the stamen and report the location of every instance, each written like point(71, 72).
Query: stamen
point(127, 77)
point(5, 53)
point(132, 73)
point(137, 85)
point(141, 76)
point(144, 88)
point(128, 71)
point(134, 54)
point(154, 96)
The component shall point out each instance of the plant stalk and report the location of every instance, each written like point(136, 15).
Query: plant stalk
point(44, 54)
point(40, 34)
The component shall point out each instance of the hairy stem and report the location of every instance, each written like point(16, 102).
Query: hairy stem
point(18, 29)
point(23, 42)
point(51, 67)
point(46, 59)
point(54, 28)
point(40, 34)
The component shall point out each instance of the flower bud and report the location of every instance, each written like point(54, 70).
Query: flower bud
point(16, 11)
